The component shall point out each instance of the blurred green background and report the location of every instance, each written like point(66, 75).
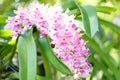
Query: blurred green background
point(104, 46)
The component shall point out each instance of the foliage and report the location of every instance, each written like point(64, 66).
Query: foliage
point(101, 34)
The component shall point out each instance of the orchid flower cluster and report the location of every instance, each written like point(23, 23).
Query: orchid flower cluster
point(70, 48)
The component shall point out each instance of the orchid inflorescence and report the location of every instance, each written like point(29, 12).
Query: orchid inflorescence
point(69, 47)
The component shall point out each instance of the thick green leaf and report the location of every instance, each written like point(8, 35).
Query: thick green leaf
point(89, 17)
point(92, 19)
point(3, 19)
point(86, 22)
point(105, 9)
point(5, 34)
point(47, 51)
point(48, 72)
point(27, 56)
point(110, 25)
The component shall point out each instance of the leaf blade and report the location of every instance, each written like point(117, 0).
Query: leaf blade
point(27, 54)
point(114, 27)
point(106, 58)
point(6, 34)
point(46, 49)
point(105, 9)
point(3, 19)
point(92, 15)
point(89, 17)
point(42, 78)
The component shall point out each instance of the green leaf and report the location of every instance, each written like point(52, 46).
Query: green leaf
point(48, 72)
point(74, 11)
point(102, 9)
point(89, 17)
point(13, 75)
point(12, 51)
point(6, 34)
point(7, 48)
point(93, 72)
point(92, 19)
point(27, 56)
point(68, 4)
point(47, 51)
point(3, 19)
point(104, 56)
point(51, 2)
point(105, 9)
point(6, 6)
point(42, 78)
point(100, 65)
point(110, 25)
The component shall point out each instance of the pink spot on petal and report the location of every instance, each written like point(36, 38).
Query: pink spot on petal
point(76, 64)
point(73, 26)
point(82, 71)
point(42, 35)
point(63, 43)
